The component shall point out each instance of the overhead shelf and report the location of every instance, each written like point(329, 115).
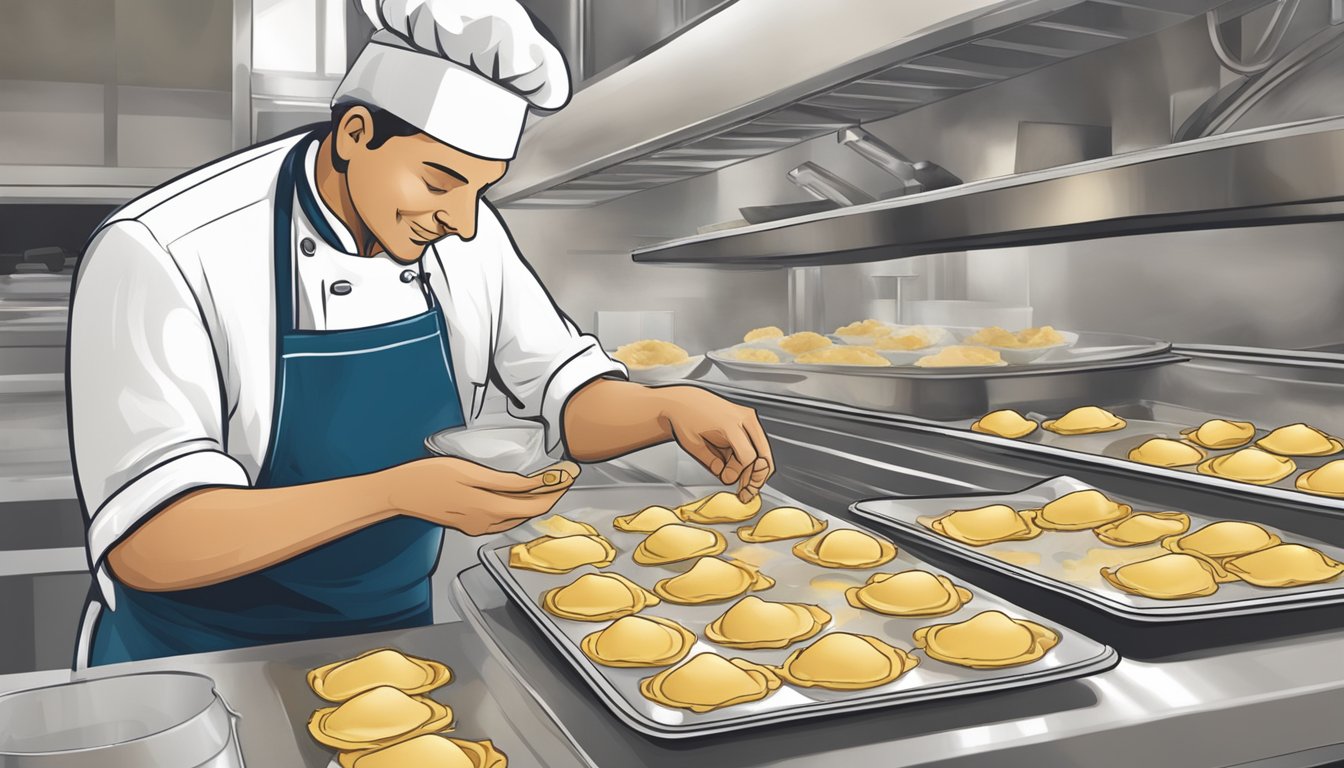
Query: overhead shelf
point(761, 75)
point(1282, 175)
point(78, 183)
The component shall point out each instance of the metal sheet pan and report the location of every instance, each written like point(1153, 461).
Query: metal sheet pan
point(1070, 562)
point(796, 580)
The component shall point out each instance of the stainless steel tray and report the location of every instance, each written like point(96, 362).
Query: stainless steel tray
point(1069, 562)
point(1075, 656)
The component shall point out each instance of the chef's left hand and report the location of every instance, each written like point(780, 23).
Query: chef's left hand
point(725, 438)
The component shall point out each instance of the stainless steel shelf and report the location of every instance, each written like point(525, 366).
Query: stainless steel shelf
point(78, 183)
point(1282, 175)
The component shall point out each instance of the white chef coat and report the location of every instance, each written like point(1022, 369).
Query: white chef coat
point(172, 335)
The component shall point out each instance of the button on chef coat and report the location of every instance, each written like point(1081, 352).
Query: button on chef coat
point(172, 335)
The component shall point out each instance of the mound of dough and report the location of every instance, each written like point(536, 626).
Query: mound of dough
point(638, 641)
point(1249, 465)
point(1087, 420)
point(1027, 338)
point(803, 341)
point(961, 357)
point(756, 356)
point(1220, 434)
point(1079, 511)
point(843, 355)
point(343, 680)
point(1161, 452)
point(650, 353)
point(768, 332)
point(1006, 423)
point(845, 548)
point(1284, 565)
point(711, 580)
point(869, 327)
point(708, 682)
point(558, 525)
point(1168, 577)
point(1327, 480)
point(1221, 540)
point(430, 750)
point(988, 640)
point(1300, 440)
point(903, 342)
point(913, 593)
point(752, 623)
point(646, 520)
point(1143, 528)
point(676, 542)
point(842, 661)
point(781, 523)
point(721, 507)
point(985, 525)
point(561, 554)
point(597, 597)
point(377, 718)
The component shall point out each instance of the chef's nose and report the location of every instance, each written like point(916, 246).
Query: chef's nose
point(459, 217)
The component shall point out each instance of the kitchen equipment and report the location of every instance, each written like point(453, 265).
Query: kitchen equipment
point(916, 177)
point(796, 580)
point(758, 214)
point(966, 313)
point(1069, 562)
point(147, 720)
point(824, 185)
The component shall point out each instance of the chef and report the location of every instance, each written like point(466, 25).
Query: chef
point(259, 348)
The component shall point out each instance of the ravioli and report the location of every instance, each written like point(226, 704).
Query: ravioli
point(985, 525)
point(711, 580)
point(721, 507)
point(1027, 338)
point(905, 342)
point(638, 641)
point(1087, 420)
point(1005, 423)
point(1284, 565)
point(376, 718)
point(650, 353)
point(845, 548)
point(676, 542)
point(647, 520)
point(756, 355)
point(988, 640)
point(1044, 336)
point(1327, 480)
point(781, 523)
point(869, 327)
point(1168, 577)
point(343, 680)
point(431, 750)
point(803, 341)
point(1300, 440)
point(752, 623)
point(1220, 434)
point(841, 661)
point(912, 593)
point(961, 357)
point(597, 597)
point(844, 355)
point(767, 332)
point(1079, 511)
point(1161, 452)
point(558, 525)
point(561, 554)
point(1224, 539)
point(708, 682)
point(1143, 528)
point(1249, 465)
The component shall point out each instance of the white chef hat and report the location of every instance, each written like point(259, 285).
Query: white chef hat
point(463, 71)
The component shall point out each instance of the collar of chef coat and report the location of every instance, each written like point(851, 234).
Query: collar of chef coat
point(324, 220)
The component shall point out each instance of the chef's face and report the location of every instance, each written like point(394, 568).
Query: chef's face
point(412, 190)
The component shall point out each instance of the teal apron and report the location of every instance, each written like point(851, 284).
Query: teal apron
point(346, 403)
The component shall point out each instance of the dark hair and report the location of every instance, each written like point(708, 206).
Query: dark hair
point(385, 126)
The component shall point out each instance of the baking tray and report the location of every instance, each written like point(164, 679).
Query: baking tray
point(1069, 562)
point(1075, 656)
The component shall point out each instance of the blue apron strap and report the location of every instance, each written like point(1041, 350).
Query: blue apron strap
point(283, 248)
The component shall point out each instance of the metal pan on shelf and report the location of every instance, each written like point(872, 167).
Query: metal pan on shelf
point(796, 580)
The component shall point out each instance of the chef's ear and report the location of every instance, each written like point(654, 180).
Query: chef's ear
point(353, 131)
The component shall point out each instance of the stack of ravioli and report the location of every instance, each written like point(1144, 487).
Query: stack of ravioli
point(381, 717)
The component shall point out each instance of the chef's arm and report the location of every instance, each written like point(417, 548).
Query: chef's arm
point(607, 418)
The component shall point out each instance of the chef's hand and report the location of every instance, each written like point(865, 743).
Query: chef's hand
point(725, 438)
point(469, 497)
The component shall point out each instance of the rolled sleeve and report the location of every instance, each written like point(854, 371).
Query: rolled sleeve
point(147, 411)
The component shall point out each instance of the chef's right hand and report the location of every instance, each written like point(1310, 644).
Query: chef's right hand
point(473, 499)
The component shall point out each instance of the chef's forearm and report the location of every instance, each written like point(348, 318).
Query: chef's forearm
point(608, 418)
point(216, 534)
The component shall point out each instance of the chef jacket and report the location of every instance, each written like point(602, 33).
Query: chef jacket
point(173, 334)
